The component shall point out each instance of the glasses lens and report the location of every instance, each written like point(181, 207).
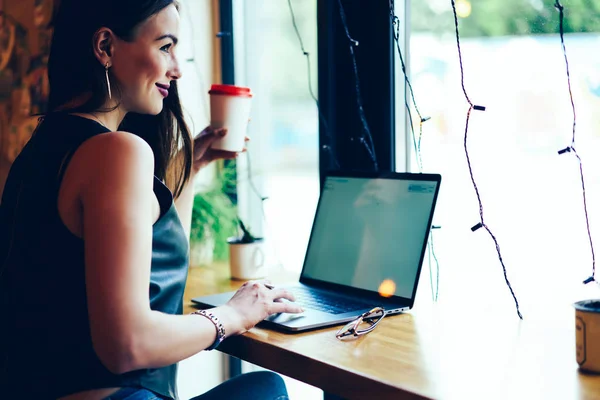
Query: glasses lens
point(369, 321)
point(363, 324)
point(346, 330)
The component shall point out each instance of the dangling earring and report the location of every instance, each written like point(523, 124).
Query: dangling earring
point(107, 80)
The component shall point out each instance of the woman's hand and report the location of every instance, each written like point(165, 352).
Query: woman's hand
point(256, 300)
point(204, 154)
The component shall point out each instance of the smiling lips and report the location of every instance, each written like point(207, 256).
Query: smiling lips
point(163, 89)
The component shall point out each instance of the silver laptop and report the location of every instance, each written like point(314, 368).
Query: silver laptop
point(366, 249)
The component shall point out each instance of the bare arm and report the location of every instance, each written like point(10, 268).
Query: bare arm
point(117, 218)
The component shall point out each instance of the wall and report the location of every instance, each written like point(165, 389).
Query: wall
point(25, 34)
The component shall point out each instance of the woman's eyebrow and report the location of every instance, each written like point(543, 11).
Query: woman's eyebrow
point(168, 36)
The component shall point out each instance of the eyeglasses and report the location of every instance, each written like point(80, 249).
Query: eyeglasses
point(362, 325)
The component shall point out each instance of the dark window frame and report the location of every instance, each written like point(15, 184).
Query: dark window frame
point(368, 23)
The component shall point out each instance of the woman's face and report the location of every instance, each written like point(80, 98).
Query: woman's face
point(145, 68)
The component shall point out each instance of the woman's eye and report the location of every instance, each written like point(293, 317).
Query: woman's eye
point(166, 48)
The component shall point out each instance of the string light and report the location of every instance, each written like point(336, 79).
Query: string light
point(368, 140)
point(571, 148)
point(416, 143)
point(472, 107)
point(396, 32)
point(327, 146)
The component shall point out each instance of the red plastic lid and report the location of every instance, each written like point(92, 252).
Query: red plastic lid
point(230, 90)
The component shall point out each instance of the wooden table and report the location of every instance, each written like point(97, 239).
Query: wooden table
point(430, 352)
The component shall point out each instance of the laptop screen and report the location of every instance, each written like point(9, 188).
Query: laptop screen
point(370, 233)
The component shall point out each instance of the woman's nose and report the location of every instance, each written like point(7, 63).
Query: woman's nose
point(175, 71)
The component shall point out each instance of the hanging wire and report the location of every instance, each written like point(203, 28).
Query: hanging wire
point(328, 145)
point(366, 138)
point(472, 107)
point(430, 255)
point(437, 263)
point(396, 32)
point(262, 198)
point(571, 148)
point(416, 143)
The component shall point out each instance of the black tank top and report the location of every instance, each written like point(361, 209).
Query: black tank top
point(46, 349)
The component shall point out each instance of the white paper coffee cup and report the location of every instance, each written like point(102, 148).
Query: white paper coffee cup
point(230, 109)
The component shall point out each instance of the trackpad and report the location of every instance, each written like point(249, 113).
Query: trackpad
point(284, 318)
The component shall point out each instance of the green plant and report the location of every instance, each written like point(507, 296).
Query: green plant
point(214, 214)
point(247, 236)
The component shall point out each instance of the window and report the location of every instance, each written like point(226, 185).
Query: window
point(531, 196)
point(282, 162)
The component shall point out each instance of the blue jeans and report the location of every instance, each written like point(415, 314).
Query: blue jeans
point(262, 385)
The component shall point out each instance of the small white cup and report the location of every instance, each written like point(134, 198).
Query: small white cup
point(230, 108)
point(587, 334)
point(247, 260)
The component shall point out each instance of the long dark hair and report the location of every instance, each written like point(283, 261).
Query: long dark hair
point(74, 73)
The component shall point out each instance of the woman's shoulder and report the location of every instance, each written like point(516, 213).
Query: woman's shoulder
point(122, 142)
point(112, 160)
point(118, 150)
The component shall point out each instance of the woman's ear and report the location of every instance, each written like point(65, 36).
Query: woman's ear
point(103, 45)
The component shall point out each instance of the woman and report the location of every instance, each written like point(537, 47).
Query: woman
point(90, 229)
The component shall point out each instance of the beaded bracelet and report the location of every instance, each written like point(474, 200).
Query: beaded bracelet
point(218, 325)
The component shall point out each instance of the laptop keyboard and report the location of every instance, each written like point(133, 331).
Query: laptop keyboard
point(321, 301)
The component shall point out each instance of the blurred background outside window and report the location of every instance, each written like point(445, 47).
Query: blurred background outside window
point(282, 162)
point(532, 197)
